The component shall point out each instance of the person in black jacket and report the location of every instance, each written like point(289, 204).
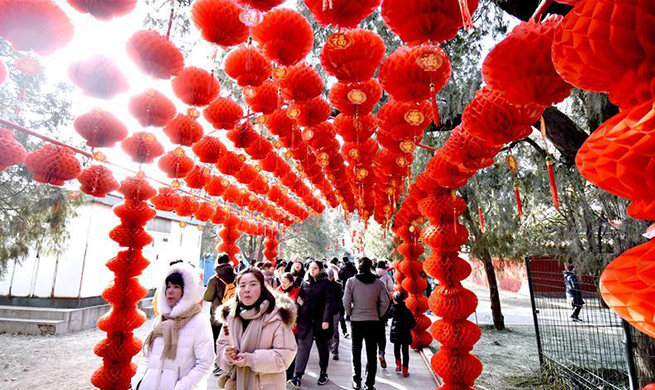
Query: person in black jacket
point(573, 291)
point(402, 322)
point(347, 271)
point(338, 313)
point(315, 322)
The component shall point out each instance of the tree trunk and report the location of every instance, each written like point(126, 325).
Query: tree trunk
point(524, 9)
point(644, 353)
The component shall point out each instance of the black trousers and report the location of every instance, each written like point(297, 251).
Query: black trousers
point(361, 332)
point(576, 311)
point(382, 337)
point(305, 341)
point(292, 368)
point(405, 350)
point(216, 331)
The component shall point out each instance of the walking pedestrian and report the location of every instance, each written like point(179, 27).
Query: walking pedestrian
point(298, 272)
point(402, 322)
point(573, 291)
point(292, 291)
point(383, 274)
point(347, 270)
point(365, 300)
point(178, 352)
point(269, 274)
point(338, 299)
point(258, 345)
point(317, 306)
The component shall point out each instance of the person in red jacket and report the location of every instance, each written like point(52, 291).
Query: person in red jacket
point(290, 289)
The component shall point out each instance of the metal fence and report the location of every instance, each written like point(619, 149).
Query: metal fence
point(600, 352)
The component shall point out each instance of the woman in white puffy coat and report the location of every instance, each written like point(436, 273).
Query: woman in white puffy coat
point(179, 352)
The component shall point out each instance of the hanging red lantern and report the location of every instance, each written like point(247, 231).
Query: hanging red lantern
point(243, 136)
point(209, 149)
point(223, 113)
point(98, 77)
point(183, 130)
point(104, 10)
point(112, 375)
point(405, 120)
point(353, 55)
point(152, 108)
point(280, 123)
point(285, 36)
point(341, 13)
point(41, 26)
point(299, 82)
point(166, 200)
point(353, 98)
point(12, 152)
point(219, 216)
point(198, 177)
point(219, 22)
point(142, 147)
point(97, 180)
point(264, 98)
point(137, 188)
point(230, 163)
point(356, 129)
point(134, 213)
point(520, 67)
point(259, 149)
point(216, 185)
point(261, 5)
point(154, 54)
point(415, 73)
point(53, 164)
point(28, 66)
point(176, 163)
point(312, 112)
point(204, 212)
point(247, 66)
point(427, 21)
point(187, 206)
point(100, 128)
point(195, 87)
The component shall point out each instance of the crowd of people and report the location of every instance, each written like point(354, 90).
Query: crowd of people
point(265, 321)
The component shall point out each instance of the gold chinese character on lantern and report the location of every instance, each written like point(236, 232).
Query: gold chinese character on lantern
point(293, 112)
point(242, 158)
point(354, 154)
point(277, 144)
point(249, 92)
point(429, 61)
point(260, 120)
point(176, 184)
point(401, 162)
point(307, 134)
point(512, 165)
point(356, 96)
point(99, 156)
point(179, 151)
point(193, 113)
point(407, 146)
point(279, 73)
point(414, 117)
point(362, 173)
point(339, 41)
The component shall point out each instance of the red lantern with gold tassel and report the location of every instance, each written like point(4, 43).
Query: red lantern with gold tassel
point(152, 108)
point(285, 36)
point(154, 54)
point(247, 66)
point(195, 87)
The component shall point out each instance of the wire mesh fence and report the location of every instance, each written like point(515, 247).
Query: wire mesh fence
point(596, 351)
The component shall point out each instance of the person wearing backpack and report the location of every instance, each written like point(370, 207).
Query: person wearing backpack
point(220, 289)
point(402, 322)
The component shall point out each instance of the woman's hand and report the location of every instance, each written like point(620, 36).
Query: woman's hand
point(325, 325)
point(230, 354)
point(239, 360)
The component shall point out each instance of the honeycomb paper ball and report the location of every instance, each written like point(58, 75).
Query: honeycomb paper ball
point(137, 188)
point(53, 164)
point(97, 180)
point(285, 36)
point(263, 99)
point(299, 82)
point(100, 128)
point(355, 98)
point(12, 152)
point(247, 66)
point(219, 22)
point(223, 113)
point(152, 108)
point(142, 147)
point(341, 13)
point(98, 77)
point(104, 10)
point(353, 55)
point(183, 130)
point(166, 199)
point(195, 87)
point(155, 55)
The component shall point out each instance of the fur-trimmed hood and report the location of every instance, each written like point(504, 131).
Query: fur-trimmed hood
point(193, 290)
point(285, 309)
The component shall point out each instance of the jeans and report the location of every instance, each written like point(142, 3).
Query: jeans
point(304, 348)
point(405, 350)
point(361, 332)
point(334, 341)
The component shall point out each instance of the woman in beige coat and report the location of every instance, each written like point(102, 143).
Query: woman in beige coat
point(257, 343)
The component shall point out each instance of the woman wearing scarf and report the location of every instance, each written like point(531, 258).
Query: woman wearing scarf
point(258, 344)
point(179, 352)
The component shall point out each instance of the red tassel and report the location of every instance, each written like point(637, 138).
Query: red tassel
point(553, 183)
point(519, 205)
point(481, 218)
point(170, 21)
point(433, 100)
point(467, 19)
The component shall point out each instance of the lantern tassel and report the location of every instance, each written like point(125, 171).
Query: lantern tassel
point(552, 181)
point(481, 216)
point(467, 19)
point(170, 21)
point(433, 101)
point(519, 205)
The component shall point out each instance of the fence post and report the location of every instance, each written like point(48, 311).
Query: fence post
point(534, 312)
point(630, 357)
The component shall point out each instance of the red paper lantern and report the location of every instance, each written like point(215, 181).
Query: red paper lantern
point(104, 10)
point(176, 163)
point(142, 147)
point(312, 112)
point(12, 152)
point(415, 73)
point(130, 236)
point(209, 149)
point(154, 54)
point(137, 188)
point(204, 212)
point(152, 108)
point(216, 185)
point(98, 76)
point(521, 68)
point(166, 200)
point(261, 5)
point(279, 123)
point(114, 376)
point(459, 334)
point(100, 128)
point(223, 113)
point(198, 177)
point(262, 99)
point(354, 129)
point(183, 130)
point(427, 21)
point(285, 36)
point(355, 98)
point(299, 82)
point(230, 163)
point(195, 87)
point(38, 25)
point(243, 136)
point(353, 55)
point(341, 13)
point(129, 263)
point(134, 213)
point(247, 66)
point(53, 164)
point(405, 120)
point(97, 180)
point(219, 216)
point(456, 367)
point(219, 21)
point(122, 320)
point(187, 206)
point(119, 345)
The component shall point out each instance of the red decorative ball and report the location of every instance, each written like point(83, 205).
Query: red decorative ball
point(122, 320)
point(415, 73)
point(447, 267)
point(166, 200)
point(142, 147)
point(223, 113)
point(176, 163)
point(104, 10)
point(129, 263)
point(353, 55)
point(216, 185)
point(264, 98)
point(247, 66)
point(12, 152)
point(285, 36)
point(341, 13)
point(405, 120)
point(100, 128)
point(183, 130)
point(52, 164)
point(154, 54)
point(204, 212)
point(454, 302)
point(114, 375)
point(219, 22)
point(356, 98)
point(209, 149)
point(124, 292)
point(132, 237)
point(425, 21)
point(187, 206)
point(152, 108)
point(230, 163)
point(456, 334)
point(118, 346)
point(195, 87)
point(137, 188)
point(456, 367)
point(520, 67)
point(312, 112)
point(299, 82)
point(134, 213)
point(38, 25)
point(198, 177)
point(98, 77)
point(97, 180)
point(354, 129)
point(219, 216)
